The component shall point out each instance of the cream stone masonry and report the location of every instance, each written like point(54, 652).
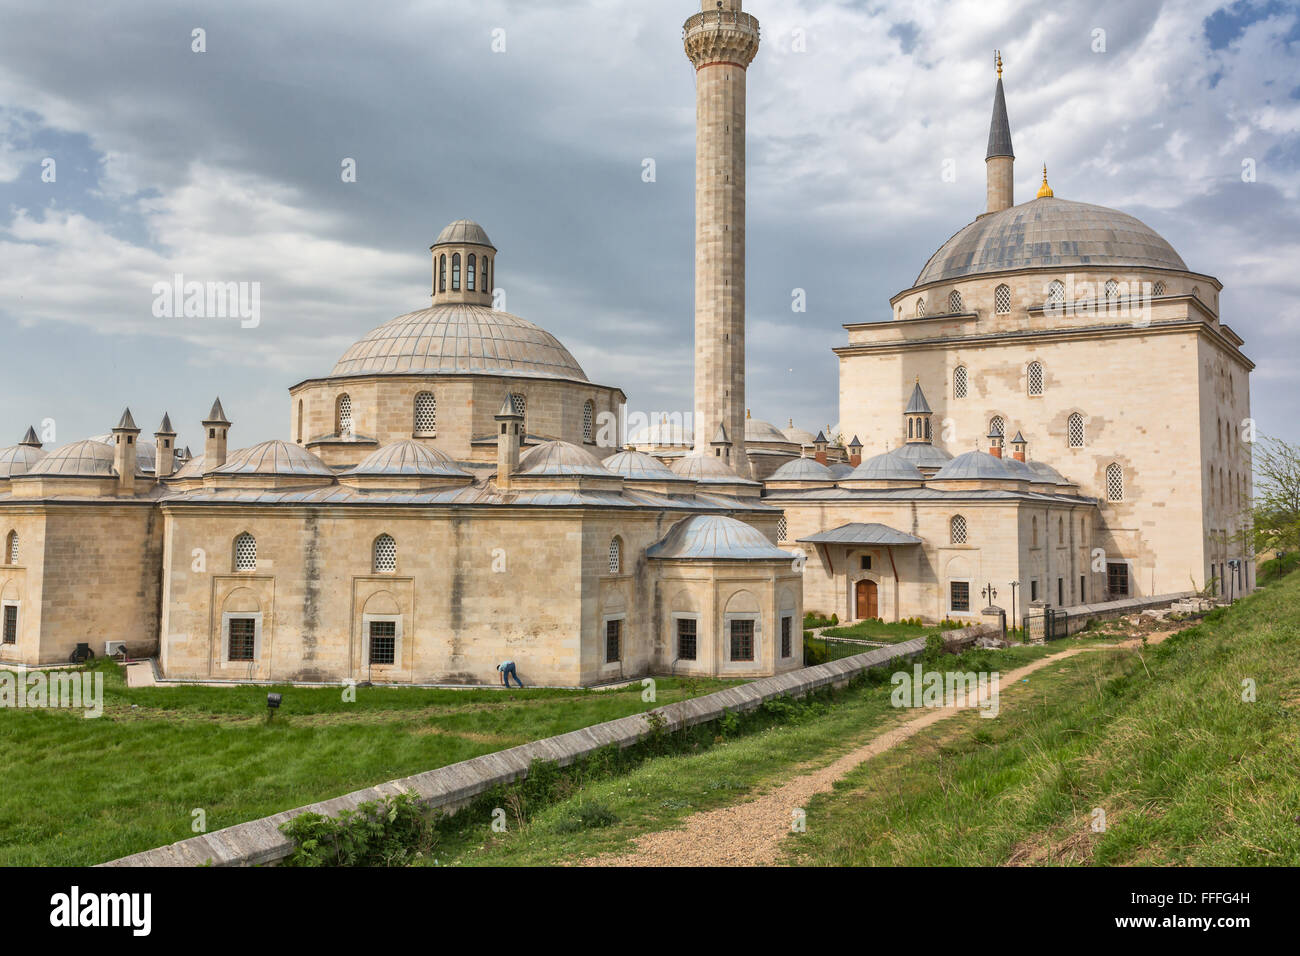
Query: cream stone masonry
point(721, 42)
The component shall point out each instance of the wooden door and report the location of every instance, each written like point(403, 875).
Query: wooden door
point(868, 606)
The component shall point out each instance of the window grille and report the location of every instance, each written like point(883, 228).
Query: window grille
point(344, 423)
point(383, 642)
point(385, 554)
point(245, 553)
point(11, 624)
point(960, 594)
point(1002, 299)
point(787, 636)
point(613, 641)
point(1115, 483)
point(1076, 431)
point(1035, 378)
point(588, 411)
point(243, 638)
point(12, 551)
point(687, 639)
point(959, 529)
point(616, 556)
point(1056, 296)
point(426, 414)
point(781, 528)
point(959, 382)
point(920, 307)
point(954, 301)
point(519, 404)
point(742, 640)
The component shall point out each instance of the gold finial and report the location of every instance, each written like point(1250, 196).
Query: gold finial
point(1045, 191)
point(748, 413)
point(918, 380)
point(998, 56)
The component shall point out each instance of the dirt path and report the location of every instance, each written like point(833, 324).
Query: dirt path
point(750, 833)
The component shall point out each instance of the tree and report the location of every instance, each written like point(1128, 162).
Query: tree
point(1276, 513)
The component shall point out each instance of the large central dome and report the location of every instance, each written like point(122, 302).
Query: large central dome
point(1050, 232)
point(460, 337)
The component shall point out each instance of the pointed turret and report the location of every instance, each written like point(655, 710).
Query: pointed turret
point(820, 444)
point(124, 436)
point(999, 163)
point(164, 449)
point(30, 440)
point(996, 439)
point(1019, 447)
point(510, 433)
point(855, 452)
point(215, 428)
point(918, 414)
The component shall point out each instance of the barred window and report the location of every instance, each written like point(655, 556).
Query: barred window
point(781, 529)
point(1158, 289)
point(960, 382)
point(243, 639)
point(954, 301)
point(245, 552)
point(1035, 378)
point(10, 624)
point(959, 529)
point(687, 638)
point(519, 404)
point(1056, 296)
point(385, 554)
point(588, 416)
point(1112, 290)
point(1114, 482)
point(471, 272)
point(1076, 430)
point(1002, 299)
point(742, 640)
point(959, 595)
point(616, 556)
point(383, 642)
point(11, 548)
point(613, 641)
point(343, 414)
point(920, 307)
point(997, 426)
point(426, 414)
point(787, 636)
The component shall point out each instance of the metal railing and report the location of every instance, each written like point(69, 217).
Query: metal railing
point(721, 18)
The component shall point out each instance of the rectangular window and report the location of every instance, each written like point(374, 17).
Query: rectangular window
point(866, 562)
point(1060, 592)
point(1033, 590)
point(742, 640)
point(787, 635)
point(11, 624)
point(383, 642)
point(687, 645)
point(243, 638)
point(960, 595)
point(1117, 579)
point(1083, 589)
point(613, 642)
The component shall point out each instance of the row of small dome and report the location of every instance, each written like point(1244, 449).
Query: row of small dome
point(905, 464)
point(669, 434)
point(90, 457)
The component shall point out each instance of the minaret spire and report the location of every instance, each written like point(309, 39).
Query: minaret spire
point(999, 163)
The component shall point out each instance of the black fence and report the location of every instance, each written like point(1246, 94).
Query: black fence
point(1049, 625)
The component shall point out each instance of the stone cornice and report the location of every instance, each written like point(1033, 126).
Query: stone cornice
point(716, 37)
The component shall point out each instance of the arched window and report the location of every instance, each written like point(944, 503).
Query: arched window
point(1076, 430)
point(954, 301)
point(442, 273)
point(1158, 289)
point(455, 272)
point(616, 555)
point(11, 548)
point(1035, 378)
point(1114, 482)
point(960, 382)
point(958, 526)
point(1002, 299)
point(1056, 296)
point(426, 415)
point(245, 552)
point(519, 404)
point(997, 426)
point(920, 307)
point(588, 421)
point(471, 272)
point(781, 528)
point(385, 554)
point(1112, 290)
point(343, 414)
point(485, 285)
point(911, 428)
point(929, 435)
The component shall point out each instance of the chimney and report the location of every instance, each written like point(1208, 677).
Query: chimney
point(165, 456)
point(721, 444)
point(30, 440)
point(855, 452)
point(819, 448)
point(1018, 447)
point(510, 428)
point(215, 428)
point(124, 436)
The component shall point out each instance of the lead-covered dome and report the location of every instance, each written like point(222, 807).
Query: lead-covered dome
point(561, 459)
point(460, 338)
point(407, 459)
point(274, 457)
point(716, 537)
point(464, 231)
point(639, 467)
point(80, 459)
point(802, 469)
point(1050, 232)
point(18, 460)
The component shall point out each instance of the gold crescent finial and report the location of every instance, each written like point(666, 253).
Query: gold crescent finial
point(998, 56)
point(1045, 191)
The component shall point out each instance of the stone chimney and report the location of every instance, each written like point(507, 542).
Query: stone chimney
point(165, 443)
point(510, 433)
point(819, 448)
point(215, 428)
point(124, 436)
point(1019, 447)
point(855, 452)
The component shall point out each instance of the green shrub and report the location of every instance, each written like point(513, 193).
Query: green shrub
point(1278, 568)
point(814, 652)
point(588, 816)
point(396, 831)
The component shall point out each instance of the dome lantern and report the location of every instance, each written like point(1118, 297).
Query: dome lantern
point(464, 265)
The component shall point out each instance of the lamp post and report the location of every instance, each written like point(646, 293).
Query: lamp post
point(1014, 619)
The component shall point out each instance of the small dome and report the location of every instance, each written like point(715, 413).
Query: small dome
point(662, 435)
point(561, 459)
point(1046, 472)
point(275, 457)
point(802, 469)
point(146, 452)
point(1050, 233)
point(976, 465)
point(923, 455)
point(799, 436)
point(1020, 470)
point(757, 431)
point(18, 460)
point(887, 467)
point(716, 537)
point(707, 470)
point(841, 470)
point(193, 468)
point(464, 231)
point(88, 458)
point(407, 459)
point(639, 466)
point(460, 338)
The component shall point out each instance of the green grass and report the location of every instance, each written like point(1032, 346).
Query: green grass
point(1186, 772)
point(880, 631)
point(81, 791)
point(1276, 568)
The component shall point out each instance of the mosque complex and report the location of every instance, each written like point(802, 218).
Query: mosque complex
point(1054, 401)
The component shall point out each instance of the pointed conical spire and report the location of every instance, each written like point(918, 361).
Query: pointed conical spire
point(1000, 128)
point(918, 405)
point(30, 439)
point(217, 415)
point(166, 427)
point(127, 423)
point(508, 410)
point(720, 436)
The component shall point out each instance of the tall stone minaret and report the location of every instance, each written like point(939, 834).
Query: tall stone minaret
point(1000, 163)
point(721, 42)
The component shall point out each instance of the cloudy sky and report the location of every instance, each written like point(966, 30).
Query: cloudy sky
point(225, 165)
